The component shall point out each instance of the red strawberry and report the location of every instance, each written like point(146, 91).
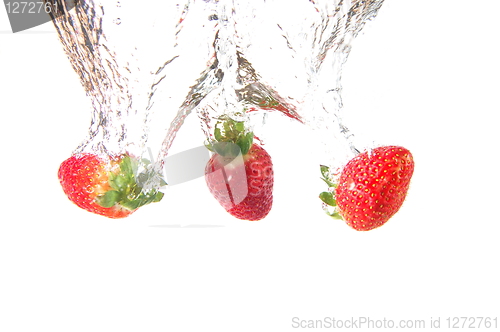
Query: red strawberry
point(240, 173)
point(371, 187)
point(105, 187)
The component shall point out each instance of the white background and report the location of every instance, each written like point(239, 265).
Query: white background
point(425, 75)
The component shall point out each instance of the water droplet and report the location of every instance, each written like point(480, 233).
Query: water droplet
point(118, 21)
point(118, 4)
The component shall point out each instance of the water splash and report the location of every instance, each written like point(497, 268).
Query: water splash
point(129, 59)
point(250, 57)
point(283, 56)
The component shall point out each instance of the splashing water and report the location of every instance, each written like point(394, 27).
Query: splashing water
point(138, 64)
point(132, 62)
point(284, 56)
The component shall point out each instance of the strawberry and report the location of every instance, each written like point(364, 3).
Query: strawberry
point(371, 188)
point(105, 186)
point(240, 173)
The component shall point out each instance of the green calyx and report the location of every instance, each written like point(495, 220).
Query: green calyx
point(231, 138)
point(328, 197)
point(127, 190)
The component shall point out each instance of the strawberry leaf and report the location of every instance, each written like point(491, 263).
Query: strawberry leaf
point(109, 199)
point(142, 199)
point(239, 126)
point(159, 195)
point(127, 188)
point(227, 128)
point(218, 135)
point(249, 139)
point(120, 182)
point(126, 166)
point(135, 166)
point(325, 172)
point(132, 205)
point(328, 198)
point(335, 215)
point(209, 146)
point(112, 181)
point(233, 133)
point(244, 144)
